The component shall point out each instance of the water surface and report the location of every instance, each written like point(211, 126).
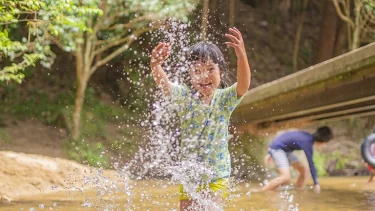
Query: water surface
point(349, 193)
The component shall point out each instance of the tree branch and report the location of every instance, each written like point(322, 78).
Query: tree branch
point(129, 24)
point(102, 42)
point(119, 50)
point(88, 51)
point(348, 27)
point(30, 46)
point(341, 15)
point(368, 15)
point(36, 21)
point(79, 63)
point(111, 44)
point(301, 20)
point(100, 21)
point(54, 40)
point(106, 20)
point(118, 26)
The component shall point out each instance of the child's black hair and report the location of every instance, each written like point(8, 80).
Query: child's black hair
point(205, 51)
point(323, 134)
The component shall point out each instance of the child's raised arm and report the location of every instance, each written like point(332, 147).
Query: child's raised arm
point(158, 56)
point(243, 68)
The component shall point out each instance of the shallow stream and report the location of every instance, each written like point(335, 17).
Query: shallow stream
point(340, 193)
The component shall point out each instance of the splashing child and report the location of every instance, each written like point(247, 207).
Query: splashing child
point(204, 112)
point(281, 152)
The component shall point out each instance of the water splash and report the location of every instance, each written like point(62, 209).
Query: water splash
point(159, 158)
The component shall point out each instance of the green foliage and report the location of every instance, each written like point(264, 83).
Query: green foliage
point(34, 102)
point(369, 6)
point(319, 160)
point(11, 9)
point(90, 153)
point(341, 160)
point(40, 104)
point(125, 147)
point(45, 20)
point(123, 21)
point(159, 9)
point(9, 48)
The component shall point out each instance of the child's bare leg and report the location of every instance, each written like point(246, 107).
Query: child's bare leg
point(284, 178)
point(302, 174)
point(372, 176)
point(185, 205)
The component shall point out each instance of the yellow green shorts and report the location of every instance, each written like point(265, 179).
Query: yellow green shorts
point(219, 187)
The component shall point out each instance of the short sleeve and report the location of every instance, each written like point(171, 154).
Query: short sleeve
point(179, 92)
point(228, 97)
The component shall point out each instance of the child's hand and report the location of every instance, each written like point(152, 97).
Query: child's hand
point(243, 67)
point(160, 54)
point(237, 42)
point(267, 160)
point(317, 188)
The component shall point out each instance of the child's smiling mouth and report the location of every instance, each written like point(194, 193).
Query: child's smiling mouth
point(205, 85)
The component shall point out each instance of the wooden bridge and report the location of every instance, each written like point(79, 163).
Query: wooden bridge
point(336, 89)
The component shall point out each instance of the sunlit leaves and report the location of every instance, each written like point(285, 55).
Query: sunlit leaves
point(9, 47)
point(12, 72)
point(49, 22)
point(161, 9)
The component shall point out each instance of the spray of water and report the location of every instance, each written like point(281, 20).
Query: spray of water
point(160, 157)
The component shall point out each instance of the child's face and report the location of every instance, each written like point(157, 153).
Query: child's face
point(205, 77)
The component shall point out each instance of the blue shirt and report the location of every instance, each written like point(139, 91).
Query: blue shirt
point(297, 140)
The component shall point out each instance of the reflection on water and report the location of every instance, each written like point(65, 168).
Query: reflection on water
point(337, 194)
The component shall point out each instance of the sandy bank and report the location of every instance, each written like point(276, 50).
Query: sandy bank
point(26, 174)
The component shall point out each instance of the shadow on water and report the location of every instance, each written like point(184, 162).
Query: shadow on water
point(337, 194)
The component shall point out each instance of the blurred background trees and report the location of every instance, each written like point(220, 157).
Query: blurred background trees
point(76, 64)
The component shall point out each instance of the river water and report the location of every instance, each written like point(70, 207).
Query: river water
point(344, 193)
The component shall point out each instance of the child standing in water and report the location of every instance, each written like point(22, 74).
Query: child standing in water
point(205, 109)
point(281, 150)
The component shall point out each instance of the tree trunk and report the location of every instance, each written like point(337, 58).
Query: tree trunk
point(328, 33)
point(341, 45)
point(214, 17)
point(356, 38)
point(284, 6)
point(231, 13)
point(80, 95)
point(357, 30)
point(264, 4)
point(204, 19)
point(348, 27)
point(301, 20)
point(213, 7)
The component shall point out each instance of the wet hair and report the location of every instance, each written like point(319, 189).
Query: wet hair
point(323, 134)
point(206, 51)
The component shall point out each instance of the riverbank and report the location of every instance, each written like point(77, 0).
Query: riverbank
point(27, 174)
